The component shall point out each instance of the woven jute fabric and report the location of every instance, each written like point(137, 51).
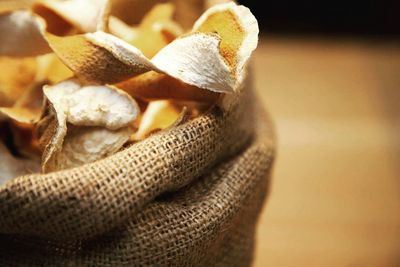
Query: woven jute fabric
point(187, 196)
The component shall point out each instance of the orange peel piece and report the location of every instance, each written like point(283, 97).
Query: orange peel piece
point(84, 15)
point(238, 30)
point(99, 57)
point(208, 58)
point(21, 34)
point(78, 114)
point(92, 105)
point(211, 57)
point(84, 145)
point(159, 115)
point(156, 30)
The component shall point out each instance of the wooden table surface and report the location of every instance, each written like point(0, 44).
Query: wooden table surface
point(335, 198)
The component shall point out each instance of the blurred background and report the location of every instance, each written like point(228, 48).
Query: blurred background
point(329, 74)
point(368, 17)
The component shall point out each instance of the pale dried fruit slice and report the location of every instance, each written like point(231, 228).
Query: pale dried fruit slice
point(158, 115)
point(221, 70)
point(22, 34)
point(28, 108)
point(87, 144)
point(196, 60)
point(92, 105)
point(75, 106)
point(84, 15)
point(12, 167)
point(238, 30)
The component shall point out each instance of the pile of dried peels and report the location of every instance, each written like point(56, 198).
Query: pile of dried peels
point(78, 84)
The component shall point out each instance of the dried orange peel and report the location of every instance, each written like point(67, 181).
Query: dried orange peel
point(207, 58)
point(159, 115)
point(22, 34)
point(84, 15)
point(156, 30)
point(93, 65)
point(211, 57)
point(91, 111)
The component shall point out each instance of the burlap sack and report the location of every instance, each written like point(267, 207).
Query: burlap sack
point(188, 196)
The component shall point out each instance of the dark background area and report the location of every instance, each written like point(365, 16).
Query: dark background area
point(328, 17)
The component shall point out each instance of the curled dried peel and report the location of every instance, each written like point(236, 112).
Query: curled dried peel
point(156, 30)
point(202, 59)
point(195, 60)
point(79, 114)
point(103, 58)
point(84, 15)
point(100, 57)
point(22, 34)
point(83, 145)
point(92, 105)
point(238, 30)
point(158, 115)
point(12, 167)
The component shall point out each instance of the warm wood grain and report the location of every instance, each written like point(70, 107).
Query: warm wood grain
point(336, 192)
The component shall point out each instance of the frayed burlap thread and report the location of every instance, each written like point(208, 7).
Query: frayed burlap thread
point(188, 196)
